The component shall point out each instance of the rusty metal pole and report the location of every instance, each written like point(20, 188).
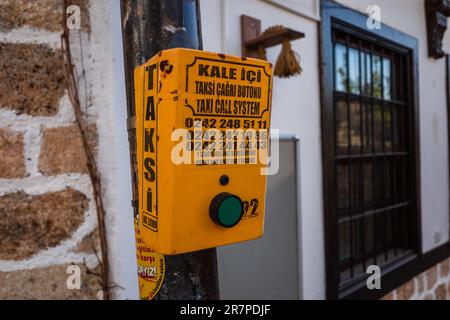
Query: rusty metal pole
point(149, 26)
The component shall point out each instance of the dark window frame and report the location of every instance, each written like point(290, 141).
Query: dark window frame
point(392, 39)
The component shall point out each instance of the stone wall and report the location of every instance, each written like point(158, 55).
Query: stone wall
point(47, 214)
point(433, 284)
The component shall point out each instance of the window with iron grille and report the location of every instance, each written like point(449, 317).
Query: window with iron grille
point(374, 177)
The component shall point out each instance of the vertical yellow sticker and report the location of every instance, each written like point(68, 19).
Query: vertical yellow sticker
point(149, 196)
point(151, 265)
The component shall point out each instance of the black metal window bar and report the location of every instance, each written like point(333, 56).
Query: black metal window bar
point(373, 156)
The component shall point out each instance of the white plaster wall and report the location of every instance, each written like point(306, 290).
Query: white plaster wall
point(114, 162)
point(408, 16)
point(296, 110)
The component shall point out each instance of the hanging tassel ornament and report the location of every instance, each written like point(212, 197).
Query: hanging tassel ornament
point(254, 45)
point(288, 62)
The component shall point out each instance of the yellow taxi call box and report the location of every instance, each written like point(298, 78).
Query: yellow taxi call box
point(202, 128)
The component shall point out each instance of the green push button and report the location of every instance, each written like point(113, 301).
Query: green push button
point(226, 210)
